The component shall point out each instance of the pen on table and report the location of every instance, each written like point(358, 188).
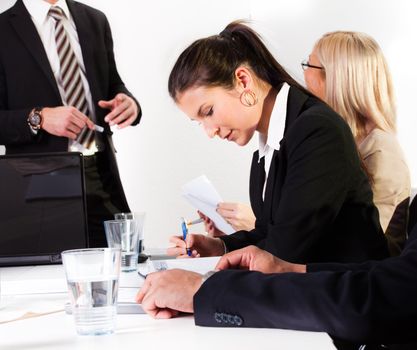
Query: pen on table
point(184, 228)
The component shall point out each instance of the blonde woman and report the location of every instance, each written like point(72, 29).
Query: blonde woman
point(349, 72)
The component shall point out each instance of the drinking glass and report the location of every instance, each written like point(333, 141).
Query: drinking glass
point(125, 234)
point(93, 279)
point(140, 217)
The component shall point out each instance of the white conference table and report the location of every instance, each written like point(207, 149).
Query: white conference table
point(41, 289)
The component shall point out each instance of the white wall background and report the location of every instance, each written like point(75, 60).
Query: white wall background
point(166, 150)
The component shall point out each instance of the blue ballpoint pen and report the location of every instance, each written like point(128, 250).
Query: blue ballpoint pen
point(184, 234)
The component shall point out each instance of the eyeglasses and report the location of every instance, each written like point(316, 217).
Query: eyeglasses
point(305, 64)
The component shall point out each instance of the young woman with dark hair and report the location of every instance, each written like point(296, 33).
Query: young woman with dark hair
point(310, 196)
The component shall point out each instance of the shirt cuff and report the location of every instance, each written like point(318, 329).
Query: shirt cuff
point(224, 246)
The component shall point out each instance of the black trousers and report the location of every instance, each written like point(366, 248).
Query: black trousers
point(104, 197)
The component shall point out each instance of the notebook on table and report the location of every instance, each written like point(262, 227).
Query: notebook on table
point(42, 207)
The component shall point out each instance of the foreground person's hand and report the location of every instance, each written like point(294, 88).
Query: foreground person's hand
point(255, 259)
point(167, 293)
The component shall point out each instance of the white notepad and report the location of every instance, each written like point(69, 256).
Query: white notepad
point(199, 265)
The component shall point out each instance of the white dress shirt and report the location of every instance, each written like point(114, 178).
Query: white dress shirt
point(45, 25)
point(270, 142)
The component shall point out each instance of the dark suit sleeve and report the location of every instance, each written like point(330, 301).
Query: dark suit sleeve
point(320, 162)
point(365, 266)
point(377, 303)
point(318, 151)
point(116, 84)
point(339, 266)
point(241, 239)
point(14, 128)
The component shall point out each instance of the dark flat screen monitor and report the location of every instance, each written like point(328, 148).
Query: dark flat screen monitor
point(42, 207)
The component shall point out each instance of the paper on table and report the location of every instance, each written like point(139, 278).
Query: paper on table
point(199, 265)
point(201, 193)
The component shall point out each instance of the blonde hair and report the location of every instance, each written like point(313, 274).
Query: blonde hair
point(358, 81)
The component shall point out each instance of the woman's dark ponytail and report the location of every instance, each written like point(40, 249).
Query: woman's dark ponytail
point(212, 61)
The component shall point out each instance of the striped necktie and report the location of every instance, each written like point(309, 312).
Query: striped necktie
point(70, 73)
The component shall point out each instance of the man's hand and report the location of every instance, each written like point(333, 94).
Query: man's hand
point(200, 245)
point(255, 259)
point(123, 110)
point(166, 293)
point(64, 121)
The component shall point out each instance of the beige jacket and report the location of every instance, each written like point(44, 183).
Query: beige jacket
point(386, 164)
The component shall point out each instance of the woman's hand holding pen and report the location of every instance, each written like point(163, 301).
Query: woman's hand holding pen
point(200, 245)
point(181, 248)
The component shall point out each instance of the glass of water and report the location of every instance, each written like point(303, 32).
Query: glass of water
point(140, 218)
point(126, 235)
point(93, 280)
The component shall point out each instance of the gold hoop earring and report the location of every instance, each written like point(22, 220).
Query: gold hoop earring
point(248, 98)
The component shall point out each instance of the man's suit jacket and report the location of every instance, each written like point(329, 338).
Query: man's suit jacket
point(373, 302)
point(27, 80)
point(318, 201)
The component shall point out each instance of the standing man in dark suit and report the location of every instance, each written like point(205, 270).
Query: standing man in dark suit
point(58, 78)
